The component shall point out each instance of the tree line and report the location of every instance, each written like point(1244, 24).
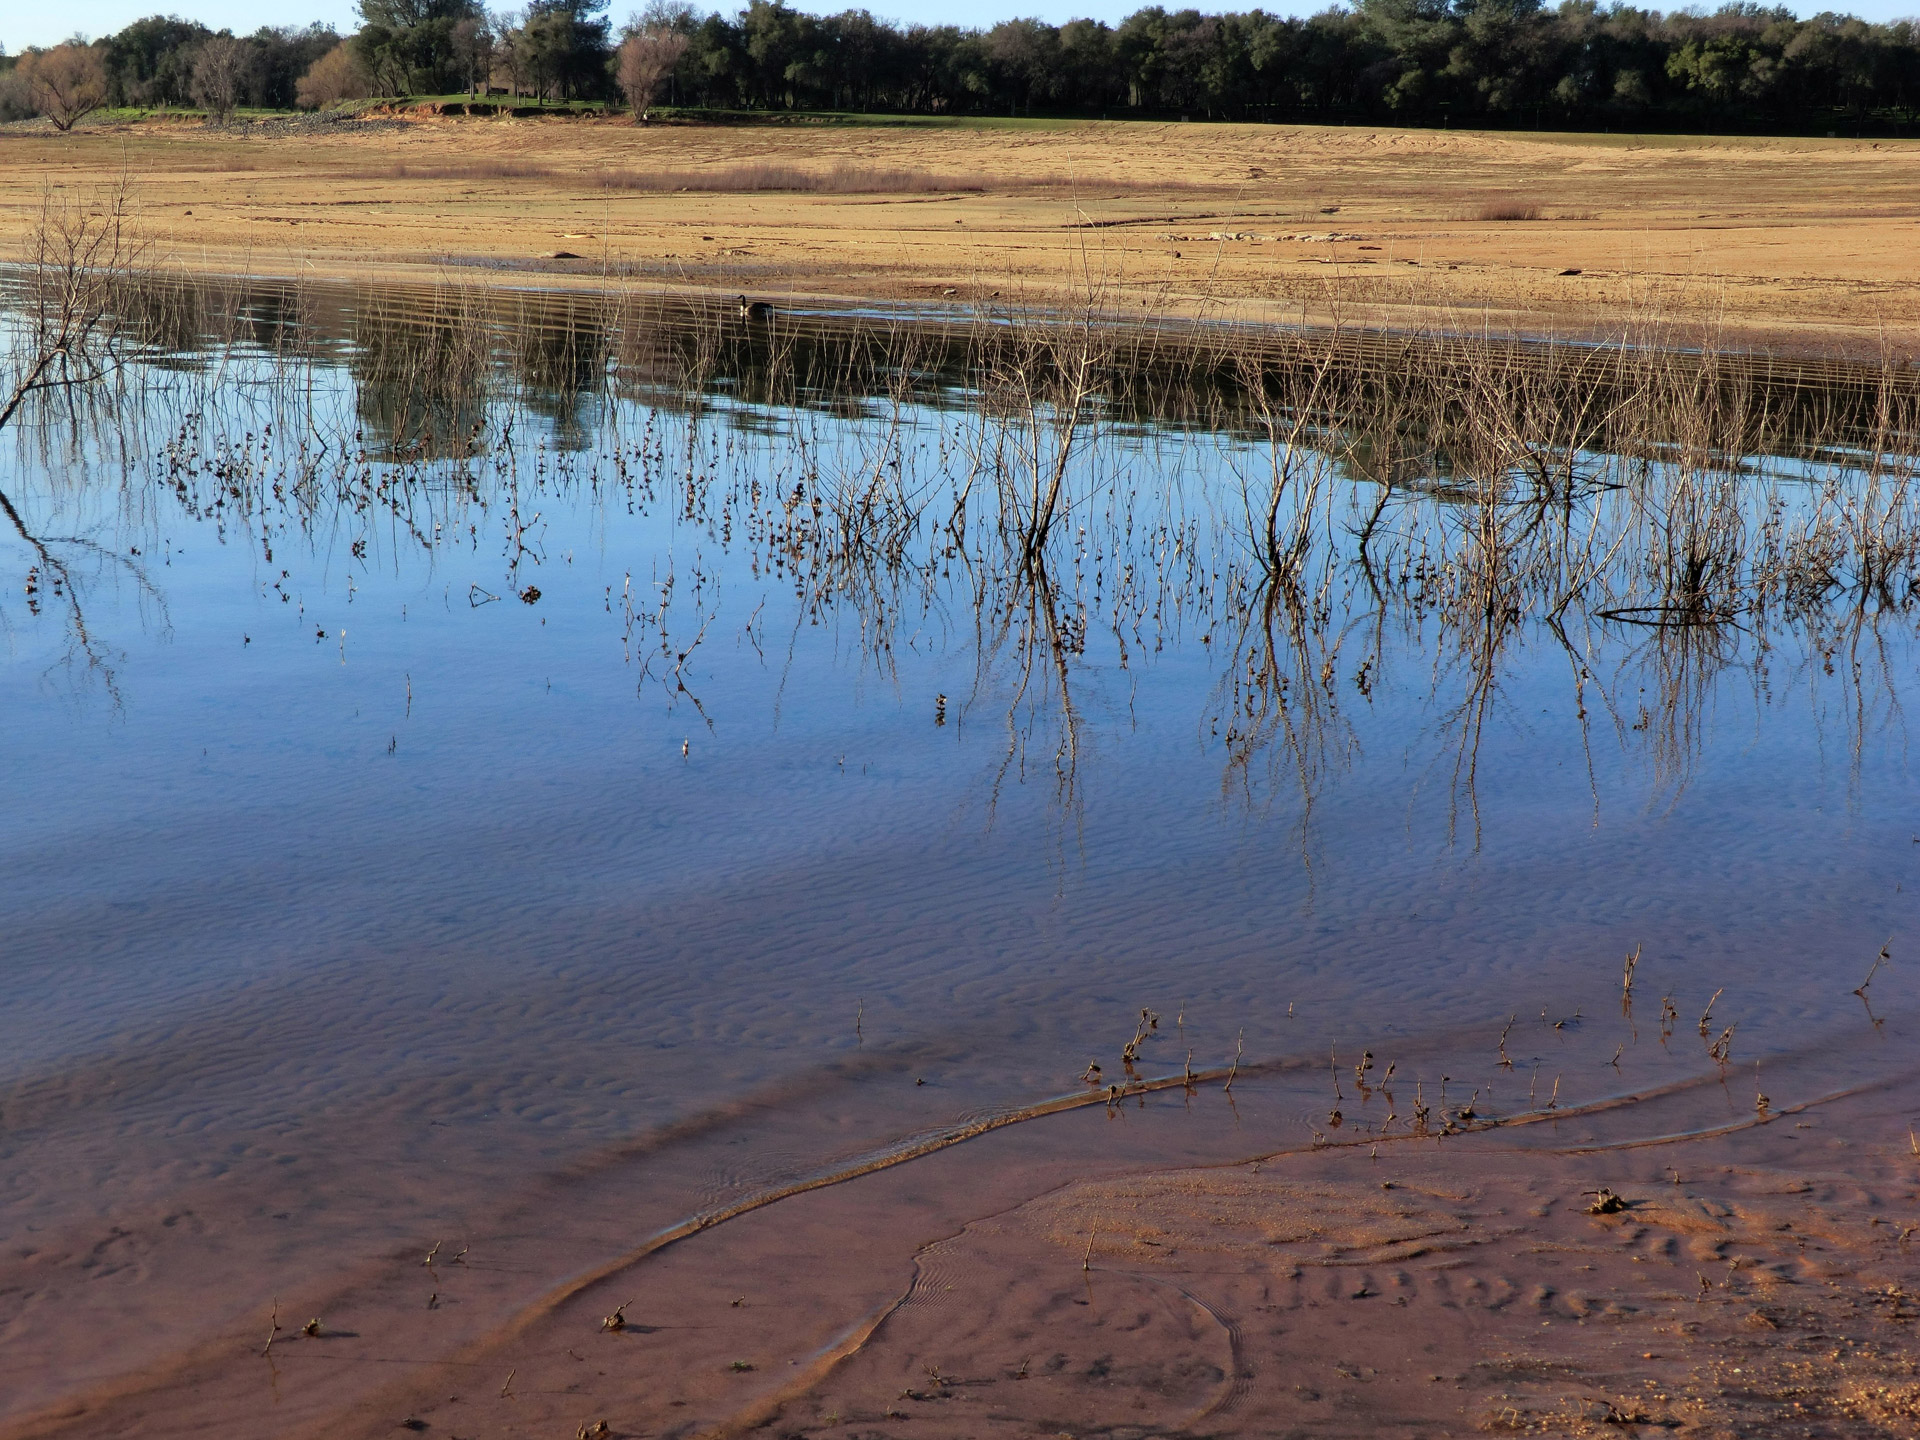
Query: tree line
point(1419, 62)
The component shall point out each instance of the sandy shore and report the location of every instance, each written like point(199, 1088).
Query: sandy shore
point(1746, 1277)
point(1810, 244)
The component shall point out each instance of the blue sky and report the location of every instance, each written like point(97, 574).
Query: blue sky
point(32, 22)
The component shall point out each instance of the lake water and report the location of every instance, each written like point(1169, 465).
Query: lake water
point(433, 781)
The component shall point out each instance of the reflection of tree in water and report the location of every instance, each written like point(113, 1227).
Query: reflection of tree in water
point(424, 373)
point(1276, 696)
point(557, 355)
point(1026, 644)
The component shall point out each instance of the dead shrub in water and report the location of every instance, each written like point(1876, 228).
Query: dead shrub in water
point(66, 343)
point(77, 255)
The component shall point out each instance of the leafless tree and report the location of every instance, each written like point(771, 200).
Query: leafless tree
point(65, 83)
point(509, 48)
point(79, 256)
point(647, 57)
point(473, 45)
point(217, 72)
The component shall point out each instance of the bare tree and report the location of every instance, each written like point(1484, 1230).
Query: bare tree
point(78, 258)
point(65, 83)
point(510, 49)
point(473, 47)
point(647, 57)
point(217, 72)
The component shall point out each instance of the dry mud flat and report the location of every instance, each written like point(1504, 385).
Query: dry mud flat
point(1814, 243)
point(1753, 1276)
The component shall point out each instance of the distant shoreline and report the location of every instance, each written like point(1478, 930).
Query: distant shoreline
point(1800, 245)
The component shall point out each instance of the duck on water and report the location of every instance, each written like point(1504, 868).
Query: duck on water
point(755, 309)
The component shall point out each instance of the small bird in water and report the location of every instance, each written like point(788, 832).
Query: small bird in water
point(755, 309)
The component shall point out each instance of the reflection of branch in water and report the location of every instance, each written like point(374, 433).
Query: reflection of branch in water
point(1489, 602)
point(1687, 662)
point(1861, 622)
point(1480, 648)
point(673, 655)
point(1276, 695)
point(55, 572)
point(1581, 676)
point(1027, 624)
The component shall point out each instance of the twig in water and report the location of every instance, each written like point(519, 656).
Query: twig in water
point(1626, 982)
point(1086, 1260)
point(1722, 1049)
point(1886, 954)
point(1234, 1069)
point(507, 1388)
point(1506, 1061)
point(1706, 1015)
point(274, 1326)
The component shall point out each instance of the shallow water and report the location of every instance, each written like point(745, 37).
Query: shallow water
point(402, 824)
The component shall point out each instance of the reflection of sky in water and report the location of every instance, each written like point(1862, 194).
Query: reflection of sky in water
point(378, 833)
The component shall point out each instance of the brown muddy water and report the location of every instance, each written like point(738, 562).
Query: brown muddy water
point(580, 864)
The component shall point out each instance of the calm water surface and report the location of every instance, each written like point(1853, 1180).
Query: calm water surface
point(408, 796)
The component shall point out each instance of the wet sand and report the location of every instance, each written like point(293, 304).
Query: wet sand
point(1806, 244)
point(1071, 1275)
